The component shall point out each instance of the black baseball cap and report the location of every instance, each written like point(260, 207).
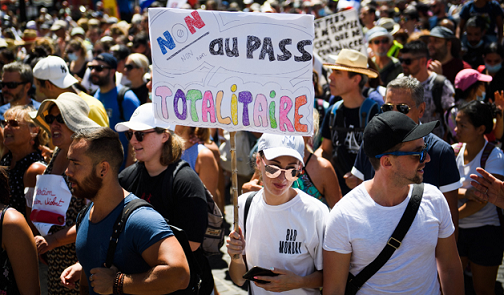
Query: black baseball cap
point(389, 129)
point(108, 59)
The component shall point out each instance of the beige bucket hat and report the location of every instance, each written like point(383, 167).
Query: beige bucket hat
point(351, 61)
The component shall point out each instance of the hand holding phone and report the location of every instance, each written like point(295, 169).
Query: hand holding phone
point(259, 271)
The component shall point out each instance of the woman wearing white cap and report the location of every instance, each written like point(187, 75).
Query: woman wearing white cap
point(283, 230)
point(158, 150)
point(61, 117)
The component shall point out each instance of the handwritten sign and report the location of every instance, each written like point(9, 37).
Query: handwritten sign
point(338, 31)
point(236, 71)
point(52, 198)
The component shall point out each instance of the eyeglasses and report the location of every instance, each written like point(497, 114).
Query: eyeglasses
point(138, 134)
point(274, 171)
point(405, 19)
point(97, 52)
point(402, 108)
point(422, 154)
point(11, 85)
point(98, 68)
point(383, 41)
point(49, 119)
point(12, 123)
point(130, 67)
point(407, 61)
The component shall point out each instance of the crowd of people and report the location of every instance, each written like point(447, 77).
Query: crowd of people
point(400, 190)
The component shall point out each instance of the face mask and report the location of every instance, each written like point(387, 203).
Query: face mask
point(475, 46)
point(72, 56)
point(150, 96)
point(321, 12)
point(494, 68)
point(482, 97)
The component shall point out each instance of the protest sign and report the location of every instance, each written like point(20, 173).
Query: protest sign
point(338, 31)
point(233, 70)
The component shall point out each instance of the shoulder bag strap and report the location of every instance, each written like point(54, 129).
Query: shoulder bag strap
point(395, 240)
point(245, 215)
point(1, 222)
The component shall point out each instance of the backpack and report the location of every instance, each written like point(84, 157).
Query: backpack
point(214, 235)
point(195, 281)
point(120, 99)
point(437, 93)
point(336, 124)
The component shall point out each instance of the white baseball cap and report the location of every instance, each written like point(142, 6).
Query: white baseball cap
point(143, 119)
point(54, 69)
point(274, 146)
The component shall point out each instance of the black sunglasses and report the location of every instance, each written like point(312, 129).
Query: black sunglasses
point(138, 134)
point(407, 61)
point(49, 119)
point(12, 123)
point(11, 85)
point(98, 68)
point(383, 41)
point(130, 67)
point(402, 108)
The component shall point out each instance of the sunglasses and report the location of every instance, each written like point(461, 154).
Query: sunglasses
point(407, 61)
point(49, 119)
point(138, 134)
point(70, 51)
point(12, 123)
point(274, 171)
point(130, 67)
point(382, 41)
point(421, 154)
point(97, 51)
point(11, 85)
point(405, 19)
point(98, 68)
point(402, 108)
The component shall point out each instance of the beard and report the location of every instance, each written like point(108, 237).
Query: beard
point(99, 81)
point(440, 54)
point(89, 187)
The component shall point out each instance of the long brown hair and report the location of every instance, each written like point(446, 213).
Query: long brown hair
point(172, 149)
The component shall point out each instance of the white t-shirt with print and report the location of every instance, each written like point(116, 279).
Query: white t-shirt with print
point(494, 165)
point(287, 236)
point(360, 226)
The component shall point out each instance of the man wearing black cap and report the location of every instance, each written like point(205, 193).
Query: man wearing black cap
point(361, 226)
point(119, 106)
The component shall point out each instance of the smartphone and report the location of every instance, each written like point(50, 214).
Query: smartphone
point(259, 271)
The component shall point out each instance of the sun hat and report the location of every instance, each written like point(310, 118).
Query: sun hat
point(389, 24)
point(29, 36)
point(389, 129)
point(59, 24)
point(378, 31)
point(351, 61)
point(274, 146)
point(143, 119)
point(73, 109)
point(77, 31)
point(54, 69)
point(442, 32)
point(468, 77)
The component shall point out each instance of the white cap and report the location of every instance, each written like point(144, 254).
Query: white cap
point(77, 31)
point(31, 25)
point(274, 146)
point(54, 69)
point(143, 119)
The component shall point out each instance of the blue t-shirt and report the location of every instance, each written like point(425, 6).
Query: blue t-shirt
point(441, 171)
point(489, 12)
point(130, 104)
point(144, 228)
point(5, 107)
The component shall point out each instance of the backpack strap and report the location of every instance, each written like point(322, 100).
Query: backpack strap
point(247, 208)
point(80, 215)
point(437, 92)
point(1, 221)
point(365, 110)
point(394, 242)
point(486, 153)
point(120, 99)
point(119, 226)
point(334, 109)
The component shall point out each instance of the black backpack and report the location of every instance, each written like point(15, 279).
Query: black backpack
point(214, 234)
point(195, 281)
point(120, 99)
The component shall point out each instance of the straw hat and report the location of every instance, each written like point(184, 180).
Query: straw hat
point(351, 61)
point(29, 36)
point(389, 24)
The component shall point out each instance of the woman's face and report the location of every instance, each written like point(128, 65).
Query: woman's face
point(61, 135)
point(132, 71)
point(279, 185)
point(493, 59)
point(151, 145)
point(17, 132)
point(465, 130)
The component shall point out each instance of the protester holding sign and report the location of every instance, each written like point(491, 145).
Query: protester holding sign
point(283, 229)
point(64, 115)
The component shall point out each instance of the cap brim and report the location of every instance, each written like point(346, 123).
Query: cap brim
point(273, 153)
point(421, 130)
point(64, 82)
point(369, 72)
point(137, 126)
point(485, 78)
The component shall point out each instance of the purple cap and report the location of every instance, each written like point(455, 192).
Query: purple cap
point(468, 77)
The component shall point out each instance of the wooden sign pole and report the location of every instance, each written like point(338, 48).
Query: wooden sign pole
point(234, 180)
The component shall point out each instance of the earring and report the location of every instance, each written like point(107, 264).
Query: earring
point(101, 175)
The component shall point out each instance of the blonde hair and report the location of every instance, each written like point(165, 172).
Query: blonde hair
point(140, 61)
point(172, 148)
point(18, 112)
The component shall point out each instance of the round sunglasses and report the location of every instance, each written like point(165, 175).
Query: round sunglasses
point(402, 108)
point(274, 171)
point(49, 119)
point(138, 134)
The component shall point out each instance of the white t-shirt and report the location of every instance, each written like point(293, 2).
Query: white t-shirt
point(360, 226)
point(495, 165)
point(287, 236)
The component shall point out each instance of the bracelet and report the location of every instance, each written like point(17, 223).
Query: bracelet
point(115, 288)
point(121, 283)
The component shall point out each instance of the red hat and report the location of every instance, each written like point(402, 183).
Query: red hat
point(468, 77)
